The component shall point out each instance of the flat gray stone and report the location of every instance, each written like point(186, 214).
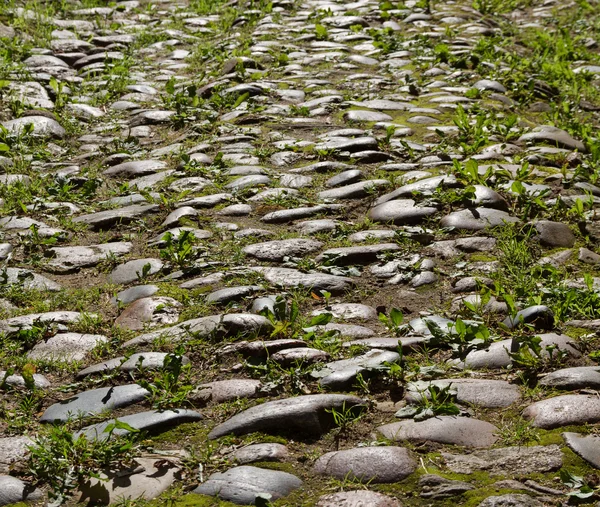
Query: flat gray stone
point(232, 324)
point(481, 392)
point(30, 280)
point(477, 219)
point(226, 390)
point(149, 312)
point(39, 381)
point(275, 251)
point(349, 311)
point(144, 360)
point(288, 278)
point(450, 430)
point(289, 215)
point(357, 498)
point(124, 215)
point(356, 254)
point(133, 270)
point(353, 191)
point(553, 136)
point(148, 478)
point(400, 212)
point(436, 487)
point(303, 414)
point(585, 446)
point(361, 115)
point(151, 421)
point(554, 234)
point(13, 450)
point(13, 490)
point(132, 294)
point(96, 401)
point(70, 259)
point(566, 410)
point(243, 484)
point(260, 452)
point(135, 168)
point(582, 377)
point(42, 126)
point(380, 464)
point(66, 347)
point(341, 374)
point(509, 461)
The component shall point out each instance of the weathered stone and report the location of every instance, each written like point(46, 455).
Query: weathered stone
point(554, 234)
point(358, 498)
point(304, 414)
point(443, 429)
point(243, 484)
point(134, 270)
point(70, 259)
point(146, 480)
point(511, 500)
point(341, 374)
point(566, 410)
point(96, 401)
point(507, 460)
point(436, 487)
point(42, 126)
point(150, 421)
point(379, 464)
point(275, 251)
point(124, 215)
point(66, 347)
point(13, 490)
point(143, 360)
point(582, 377)
point(477, 219)
point(400, 212)
point(290, 278)
point(586, 446)
point(13, 450)
point(260, 452)
point(481, 392)
point(225, 390)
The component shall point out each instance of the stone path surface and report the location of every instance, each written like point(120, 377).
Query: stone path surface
point(299, 252)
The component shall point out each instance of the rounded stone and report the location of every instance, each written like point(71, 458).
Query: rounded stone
point(243, 484)
point(451, 430)
point(566, 410)
point(554, 234)
point(370, 464)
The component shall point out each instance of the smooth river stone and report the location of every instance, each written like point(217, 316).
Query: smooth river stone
point(371, 464)
point(481, 392)
point(66, 347)
point(567, 410)
point(152, 420)
point(586, 446)
point(507, 460)
point(450, 430)
point(302, 414)
point(275, 251)
point(260, 452)
point(144, 360)
point(94, 402)
point(582, 377)
point(288, 278)
point(400, 212)
point(357, 498)
point(243, 484)
point(477, 219)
